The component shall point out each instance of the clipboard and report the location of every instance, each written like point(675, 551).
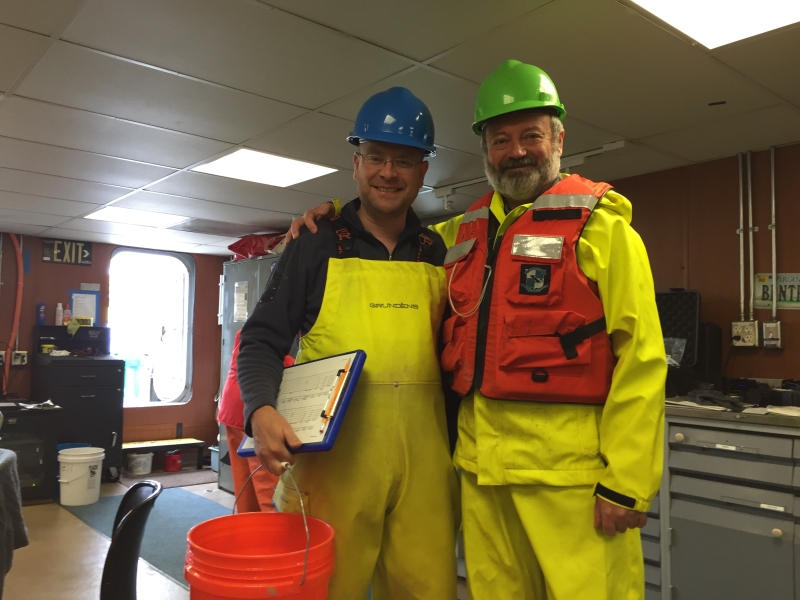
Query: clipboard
point(314, 398)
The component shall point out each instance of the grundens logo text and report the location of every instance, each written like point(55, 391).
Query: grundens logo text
point(390, 305)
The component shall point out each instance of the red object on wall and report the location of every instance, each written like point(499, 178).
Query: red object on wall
point(173, 461)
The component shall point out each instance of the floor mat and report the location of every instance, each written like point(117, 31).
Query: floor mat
point(174, 513)
point(173, 480)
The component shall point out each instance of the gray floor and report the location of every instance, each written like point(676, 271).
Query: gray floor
point(64, 560)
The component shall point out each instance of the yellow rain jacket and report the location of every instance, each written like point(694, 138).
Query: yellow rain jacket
point(618, 446)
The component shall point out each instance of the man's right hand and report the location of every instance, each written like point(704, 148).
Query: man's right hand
point(271, 434)
point(309, 219)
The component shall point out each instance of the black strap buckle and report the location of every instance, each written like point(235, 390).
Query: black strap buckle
point(569, 341)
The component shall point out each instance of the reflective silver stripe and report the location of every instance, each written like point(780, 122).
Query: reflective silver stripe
point(458, 251)
point(538, 246)
point(474, 215)
point(565, 201)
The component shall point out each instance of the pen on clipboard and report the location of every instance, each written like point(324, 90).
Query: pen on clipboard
point(326, 414)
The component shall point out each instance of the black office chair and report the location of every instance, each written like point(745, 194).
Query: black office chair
point(122, 560)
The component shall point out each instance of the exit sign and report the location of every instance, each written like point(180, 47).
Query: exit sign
point(68, 252)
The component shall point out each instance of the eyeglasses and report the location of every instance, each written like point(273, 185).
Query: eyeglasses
point(401, 164)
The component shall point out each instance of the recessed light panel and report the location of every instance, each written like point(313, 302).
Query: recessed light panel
point(261, 167)
point(715, 23)
point(136, 217)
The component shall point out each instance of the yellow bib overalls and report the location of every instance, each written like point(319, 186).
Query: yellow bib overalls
point(388, 486)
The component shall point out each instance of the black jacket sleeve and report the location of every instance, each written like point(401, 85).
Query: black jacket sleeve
point(293, 293)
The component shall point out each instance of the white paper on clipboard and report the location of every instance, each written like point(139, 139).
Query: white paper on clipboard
point(309, 389)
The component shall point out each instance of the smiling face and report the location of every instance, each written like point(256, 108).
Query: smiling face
point(387, 191)
point(521, 154)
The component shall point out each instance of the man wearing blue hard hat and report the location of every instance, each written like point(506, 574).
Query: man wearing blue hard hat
point(372, 280)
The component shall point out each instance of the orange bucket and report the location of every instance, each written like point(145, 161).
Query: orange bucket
point(259, 555)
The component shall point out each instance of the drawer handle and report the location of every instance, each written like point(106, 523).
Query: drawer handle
point(88, 396)
point(679, 437)
point(113, 438)
point(88, 376)
point(777, 533)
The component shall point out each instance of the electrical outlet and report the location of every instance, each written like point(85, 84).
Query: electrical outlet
point(745, 333)
point(19, 359)
point(772, 334)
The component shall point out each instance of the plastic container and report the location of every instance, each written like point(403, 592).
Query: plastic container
point(173, 461)
point(67, 315)
point(140, 464)
point(79, 475)
point(214, 458)
point(40, 313)
point(47, 348)
point(244, 555)
point(59, 314)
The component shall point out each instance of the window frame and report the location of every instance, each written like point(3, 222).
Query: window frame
point(188, 261)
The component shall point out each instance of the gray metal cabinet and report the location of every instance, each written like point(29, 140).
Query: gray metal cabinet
point(733, 520)
point(239, 277)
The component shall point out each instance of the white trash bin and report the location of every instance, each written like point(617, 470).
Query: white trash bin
point(80, 473)
point(140, 464)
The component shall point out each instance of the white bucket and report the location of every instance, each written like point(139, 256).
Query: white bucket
point(140, 464)
point(81, 469)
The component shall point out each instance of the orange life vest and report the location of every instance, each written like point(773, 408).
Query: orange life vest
point(527, 323)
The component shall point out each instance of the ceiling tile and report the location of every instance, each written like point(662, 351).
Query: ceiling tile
point(634, 80)
point(52, 160)
point(132, 239)
point(136, 231)
point(17, 47)
point(451, 166)
point(436, 26)
point(23, 229)
point(757, 130)
point(244, 45)
point(203, 209)
point(53, 206)
point(769, 60)
point(450, 100)
point(631, 160)
point(80, 78)
point(334, 185)
point(476, 190)
point(428, 205)
point(37, 184)
point(237, 192)
point(580, 137)
point(41, 16)
point(313, 137)
point(60, 126)
point(29, 218)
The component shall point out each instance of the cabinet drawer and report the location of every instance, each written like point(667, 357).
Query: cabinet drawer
point(651, 551)
point(651, 593)
point(770, 501)
point(83, 376)
point(655, 506)
point(730, 441)
point(715, 463)
point(652, 575)
point(652, 528)
point(71, 397)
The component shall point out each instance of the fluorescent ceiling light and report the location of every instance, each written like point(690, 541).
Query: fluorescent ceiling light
point(136, 217)
point(261, 167)
point(715, 23)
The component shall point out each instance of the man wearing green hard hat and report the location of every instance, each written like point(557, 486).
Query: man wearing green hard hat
point(371, 280)
point(553, 341)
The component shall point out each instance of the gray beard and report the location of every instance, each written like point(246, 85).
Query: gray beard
point(523, 186)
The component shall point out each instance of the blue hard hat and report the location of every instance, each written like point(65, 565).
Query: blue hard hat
point(396, 116)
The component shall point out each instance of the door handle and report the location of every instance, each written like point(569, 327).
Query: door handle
point(88, 376)
point(89, 396)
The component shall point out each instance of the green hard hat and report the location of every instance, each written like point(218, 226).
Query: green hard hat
point(515, 86)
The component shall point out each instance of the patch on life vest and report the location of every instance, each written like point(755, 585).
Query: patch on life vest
point(534, 280)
